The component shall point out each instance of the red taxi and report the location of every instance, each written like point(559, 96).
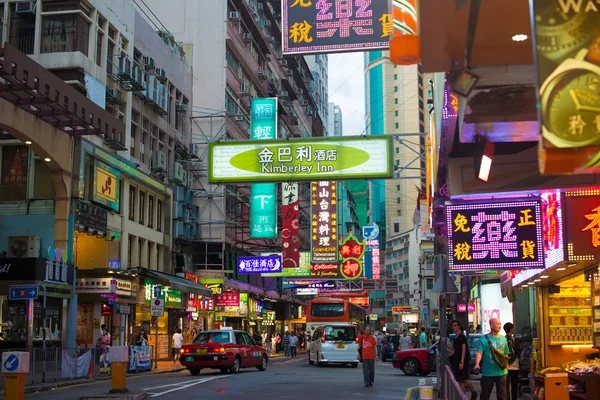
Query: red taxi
point(226, 349)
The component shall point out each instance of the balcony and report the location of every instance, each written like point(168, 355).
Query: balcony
point(238, 47)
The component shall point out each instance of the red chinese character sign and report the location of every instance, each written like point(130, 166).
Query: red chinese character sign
point(324, 239)
point(582, 227)
point(290, 224)
point(14, 165)
point(352, 252)
point(228, 299)
point(495, 235)
point(313, 26)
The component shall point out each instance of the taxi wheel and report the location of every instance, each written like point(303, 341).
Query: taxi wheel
point(236, 365)
point(263, 364)
point(195, 371)
point(411, 367)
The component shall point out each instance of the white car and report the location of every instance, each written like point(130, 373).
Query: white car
point(334, 343)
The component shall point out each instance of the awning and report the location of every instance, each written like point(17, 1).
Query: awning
point(176, 282)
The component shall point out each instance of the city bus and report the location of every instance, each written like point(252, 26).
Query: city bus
point(331, 310)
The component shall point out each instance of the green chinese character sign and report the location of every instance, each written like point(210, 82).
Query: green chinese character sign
point(263, 196)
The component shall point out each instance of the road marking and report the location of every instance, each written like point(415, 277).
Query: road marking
point(194, 383)
point(409, 393)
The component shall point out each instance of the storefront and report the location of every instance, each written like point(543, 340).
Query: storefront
point(22, 321)
point(231, 310)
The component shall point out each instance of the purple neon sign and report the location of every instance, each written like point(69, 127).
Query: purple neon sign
point(505, 235)
point(259, 264)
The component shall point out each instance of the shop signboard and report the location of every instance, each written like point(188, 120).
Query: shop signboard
point(107, 184)
point(290, 245)
point(461, 307)
point(401, 310)
point(90, 218)
point(217, 288)
point(498, 235)
point(172, 298)
point(493, 305)
point(352, 252)
point(582, 225)
point(15, 164)
point(259, 264)
point(306, 291)
point(305, 283)
point(243, 306)
point(326, 270)
point(205, 303)
point(229, 299)
point(263, 196)
point(311, 26)
point(324, 238)
point(103, 285)
point(303, 270)
point(306, 159)
point(372, 261)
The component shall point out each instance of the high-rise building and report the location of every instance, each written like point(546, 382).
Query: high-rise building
point(319, 68)
point(335, 120)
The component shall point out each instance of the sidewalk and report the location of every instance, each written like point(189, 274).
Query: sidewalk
point(163, 367)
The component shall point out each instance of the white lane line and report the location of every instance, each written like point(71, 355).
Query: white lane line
point(186, 386)
point(164, 386)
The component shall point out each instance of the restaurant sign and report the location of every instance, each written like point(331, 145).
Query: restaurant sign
point(503, 235)
point(228, 299)
point(324, 238)
point(311, 26)
point(352, 253)
point(307, 159)
point(90, 218)
point(259, 264)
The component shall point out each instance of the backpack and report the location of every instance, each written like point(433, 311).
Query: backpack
point(512, 355)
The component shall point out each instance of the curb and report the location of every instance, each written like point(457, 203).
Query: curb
point(412, 393)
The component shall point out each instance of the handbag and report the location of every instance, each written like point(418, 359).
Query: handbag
point(499, 358)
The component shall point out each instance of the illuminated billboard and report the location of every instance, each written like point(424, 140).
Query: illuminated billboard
point(311, 26)
point(291, 160)
point(504, 235)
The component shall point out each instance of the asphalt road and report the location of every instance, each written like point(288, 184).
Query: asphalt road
point(283, 379)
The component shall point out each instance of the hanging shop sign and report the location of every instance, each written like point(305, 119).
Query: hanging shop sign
point(311, 26)
point(259, 264)
point(290, 224)
point(231, 299)
point(324, 238)
point(255, 307)
point(243, 307)
point(263, 197)
point(352, 252)
point(204, 303)
point(372, 260)
point(582, 225)
point(304, 283)
point(107, 184)
point(504, 235)
point(326, 270)
point(103, 285)
point(309, 159)
point(217, 288)
point(461, 307)
point(90, 218)
point(401, 310)
point(171, 297)
point(306, 291)
point(15, 164)
point(303, 269)
point(552, 218)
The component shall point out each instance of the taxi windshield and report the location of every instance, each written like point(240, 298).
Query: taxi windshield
point(212, 337)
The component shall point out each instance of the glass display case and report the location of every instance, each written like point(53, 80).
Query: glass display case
point(570, 315)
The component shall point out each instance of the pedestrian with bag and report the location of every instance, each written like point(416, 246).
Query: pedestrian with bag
point(492, 355)
point(512, 381)
point(367, 351)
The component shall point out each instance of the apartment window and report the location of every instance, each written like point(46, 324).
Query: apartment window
point(150, 211)
point(395, 77)
point(132, 140)
point(65, 33)
point(396, 113)
point(396, 227)
point(132, 193)
point(139, 254)
point(398, 213)
point(149, 255)
point(159, 215)
point(398, 187)
point(142, 209)
point(129, 250)
point(158, 249)
point(395, 88)
point(397, 125)
point(398, 200)
point(99, 40)
point(429, 283)
point(395, 101)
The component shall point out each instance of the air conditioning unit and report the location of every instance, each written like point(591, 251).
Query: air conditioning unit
point(289, 72)
point(185, 179)
point(195, 212)
point(24, 246)
point(113, 96)
point(148, 62)
point(177, 173)
point(186, 216)
point(261, 73)
point(247, 36)
point(193, 149)
point(190, 182)
point(152, 91)
point(25, 7)
point(234, 15)
point(299, 92)
point(284, 93)
point(178, 229)
point(159, 160)
point(178, 194)
point(160, 74)
point(309, 110)
point(271, 39)
point(124, 66)
point(304, 102)
point(239, 118)
point(188, 198)
point(178, 212)
point(179, 106)
point(244, 89)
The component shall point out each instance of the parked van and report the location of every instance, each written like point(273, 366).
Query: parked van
point(334, 343)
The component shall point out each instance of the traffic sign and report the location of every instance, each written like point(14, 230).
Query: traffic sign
point(23, 293)
point(157, 291)
point(11, 363)
point(157, 308)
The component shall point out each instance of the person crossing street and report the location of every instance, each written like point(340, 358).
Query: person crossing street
point(368, 352)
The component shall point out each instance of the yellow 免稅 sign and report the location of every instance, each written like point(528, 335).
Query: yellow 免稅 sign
point(106, 185)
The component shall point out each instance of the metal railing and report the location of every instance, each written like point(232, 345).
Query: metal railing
point(452, 389)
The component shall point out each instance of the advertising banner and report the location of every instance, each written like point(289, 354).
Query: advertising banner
point(107, 184)
point(140, 358)
point(259, 264)
point(290, 225)
point(307, 159)
point(307, 283)
point(228, 299)
point(15, 164)
point(311, 26)
point(303, 269)
point(204, 303)
point(324, 239)
point(503, 235)
point(263, 197)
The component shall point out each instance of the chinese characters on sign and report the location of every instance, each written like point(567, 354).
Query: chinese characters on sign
point(372, 254)
point(257, 265)
point(90, 218)
point(15, 162)
point(495, 235)
point(312, 26)
point(205, 303)
point(263, 196)
point(331, 271)
point(324, 238)
point(352, 252)
point(553, 228)
point(108, 186)
point(290, 225)
point(228, 299)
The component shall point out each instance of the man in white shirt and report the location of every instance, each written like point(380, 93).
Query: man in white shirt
point(177, 344)
point(293, 344)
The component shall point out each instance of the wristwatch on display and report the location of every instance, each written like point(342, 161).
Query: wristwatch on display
point(570, 100)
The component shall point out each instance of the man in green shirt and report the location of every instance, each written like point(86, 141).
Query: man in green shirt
point(491, 373)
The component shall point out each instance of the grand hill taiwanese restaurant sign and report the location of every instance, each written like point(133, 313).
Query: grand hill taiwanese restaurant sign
point(507, 235)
